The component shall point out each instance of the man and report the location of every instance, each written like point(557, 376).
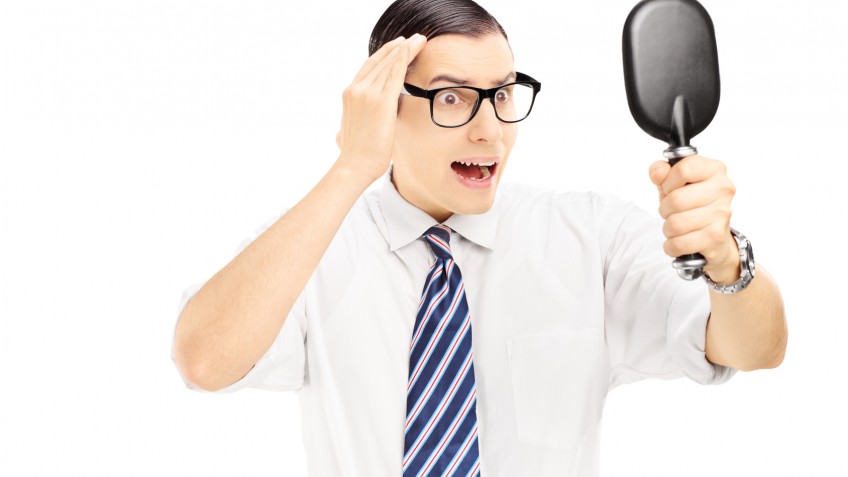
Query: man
point(568, 295)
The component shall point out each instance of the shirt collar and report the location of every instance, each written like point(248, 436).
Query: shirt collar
point(406, 222)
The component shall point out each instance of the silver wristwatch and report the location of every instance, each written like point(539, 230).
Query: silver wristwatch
point(746, 267)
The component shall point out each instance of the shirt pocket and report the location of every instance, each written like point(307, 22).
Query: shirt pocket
point(558, 384)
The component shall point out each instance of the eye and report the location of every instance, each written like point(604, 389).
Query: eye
point(448, 98)
point(503, 95)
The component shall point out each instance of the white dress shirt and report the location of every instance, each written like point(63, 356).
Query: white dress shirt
point(570, 295)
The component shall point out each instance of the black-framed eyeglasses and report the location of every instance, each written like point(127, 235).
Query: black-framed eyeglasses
point(455, 106)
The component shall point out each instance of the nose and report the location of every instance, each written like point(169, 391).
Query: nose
point(485, 125)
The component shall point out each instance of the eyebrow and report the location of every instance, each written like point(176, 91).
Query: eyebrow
point(460, 81)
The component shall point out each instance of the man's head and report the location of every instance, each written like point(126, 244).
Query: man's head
point(464, 43)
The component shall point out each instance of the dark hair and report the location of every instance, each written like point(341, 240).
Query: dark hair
point(432, 18)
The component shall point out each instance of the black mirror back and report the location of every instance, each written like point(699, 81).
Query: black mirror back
point(671, 69)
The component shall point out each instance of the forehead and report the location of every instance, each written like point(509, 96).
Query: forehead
point(483, 61)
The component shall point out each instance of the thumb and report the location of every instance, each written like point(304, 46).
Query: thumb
point(658, 172)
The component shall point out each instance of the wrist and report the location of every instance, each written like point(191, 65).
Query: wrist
point(729, 270)
point(345, 171)
point(746, 271)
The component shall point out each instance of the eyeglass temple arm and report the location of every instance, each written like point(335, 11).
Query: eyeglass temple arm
point(411, 90)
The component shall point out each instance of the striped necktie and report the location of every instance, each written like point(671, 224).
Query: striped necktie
point(441, 404)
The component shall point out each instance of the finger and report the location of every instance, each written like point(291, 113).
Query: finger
point(376, 75)
point(380, 73)
point(693, 242)
point(689, 170)
point(689, 197)
point(376, 57)
point(701, 241)
point(395, 77)
point(658, 172)
point(682, 223)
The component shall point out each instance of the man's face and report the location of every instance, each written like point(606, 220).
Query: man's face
point(424, 152)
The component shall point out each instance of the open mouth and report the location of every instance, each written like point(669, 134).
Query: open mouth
point(475, 172)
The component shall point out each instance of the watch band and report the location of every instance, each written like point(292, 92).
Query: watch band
point(747, 268)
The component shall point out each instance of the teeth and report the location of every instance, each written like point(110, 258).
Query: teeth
point(480, 164)
point(486, 174)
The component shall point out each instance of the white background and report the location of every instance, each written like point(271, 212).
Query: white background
point(141, 141)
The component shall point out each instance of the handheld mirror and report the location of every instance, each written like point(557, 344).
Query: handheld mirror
point(672, 81)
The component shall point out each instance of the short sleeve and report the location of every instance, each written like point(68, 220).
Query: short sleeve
point(655, 322)
point(283, 366)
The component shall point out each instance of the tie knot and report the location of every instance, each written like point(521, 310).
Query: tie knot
point(438, 237)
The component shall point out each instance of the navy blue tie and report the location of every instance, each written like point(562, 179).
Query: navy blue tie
point(441, 404)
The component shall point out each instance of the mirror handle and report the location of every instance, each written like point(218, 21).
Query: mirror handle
point(689, 266)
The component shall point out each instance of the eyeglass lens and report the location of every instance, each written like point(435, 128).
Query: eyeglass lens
point(452, 107)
